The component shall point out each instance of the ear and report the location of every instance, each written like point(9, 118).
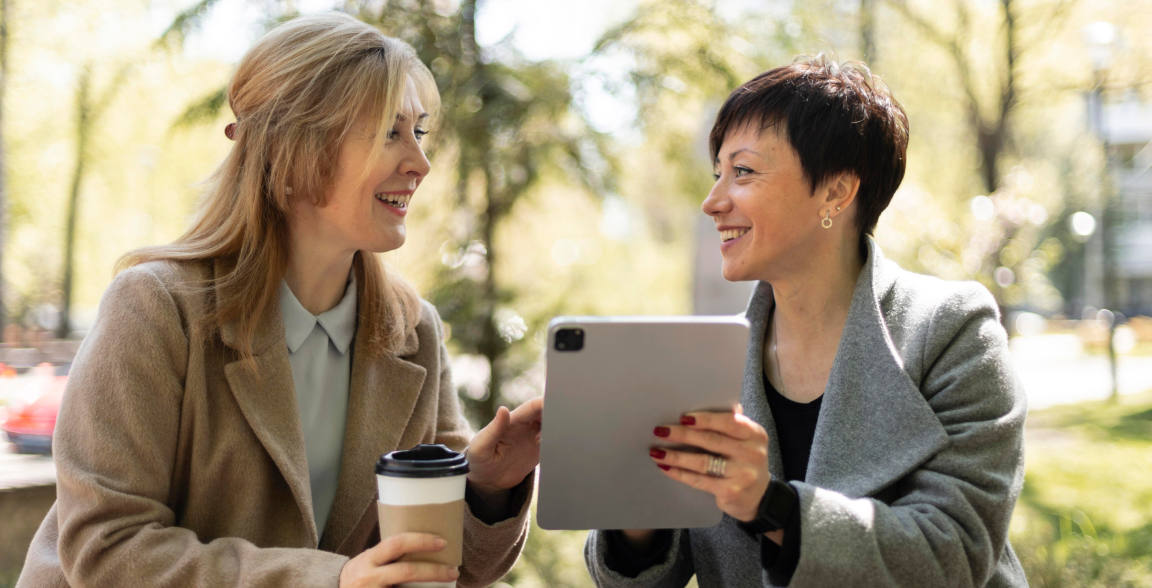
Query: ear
point(842, 189)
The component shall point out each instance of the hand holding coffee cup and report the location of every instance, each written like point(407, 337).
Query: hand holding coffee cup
point(421, 491)
point(379, 567)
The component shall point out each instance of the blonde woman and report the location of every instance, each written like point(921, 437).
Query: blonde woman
point(225, 411)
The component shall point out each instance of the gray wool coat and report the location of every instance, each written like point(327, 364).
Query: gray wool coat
point(917, 459)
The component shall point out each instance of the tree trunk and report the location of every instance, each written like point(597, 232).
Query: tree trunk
point(83, 128)
point(491, 346)
point(868, 31)
point(5, 19)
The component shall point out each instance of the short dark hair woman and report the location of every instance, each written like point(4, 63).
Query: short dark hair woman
point(225, 412)
point(880, 437)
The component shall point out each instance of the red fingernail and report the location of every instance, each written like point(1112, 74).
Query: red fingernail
point(688, 421)
point(662, 431)
point(657, 453)
point(663, 467)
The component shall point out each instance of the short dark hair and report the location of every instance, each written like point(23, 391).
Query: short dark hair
point(837, 117)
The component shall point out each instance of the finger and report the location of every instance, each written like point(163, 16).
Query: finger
point(392, 548)
point(484, 443)
point(695, 462)
point(415, 571)
point(732, 424)
point(529, 412)
point(693, 479)
point(710, 441)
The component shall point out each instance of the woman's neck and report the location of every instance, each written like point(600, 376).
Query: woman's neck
point(317, 275)
point(812, 306)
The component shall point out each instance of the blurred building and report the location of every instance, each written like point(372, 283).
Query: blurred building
point(1128, 132)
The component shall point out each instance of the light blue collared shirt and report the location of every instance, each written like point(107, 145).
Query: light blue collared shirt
point(320, 351)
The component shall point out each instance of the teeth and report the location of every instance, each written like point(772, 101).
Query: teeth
point(397, 200)
point(732, 234)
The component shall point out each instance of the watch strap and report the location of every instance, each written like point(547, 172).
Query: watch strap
point(775, 507)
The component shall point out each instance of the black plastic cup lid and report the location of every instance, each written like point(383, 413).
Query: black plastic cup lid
point(423, 461)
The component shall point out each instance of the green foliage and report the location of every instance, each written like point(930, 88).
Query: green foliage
point(205, 111)
point(1084, 518)
point(184, 23)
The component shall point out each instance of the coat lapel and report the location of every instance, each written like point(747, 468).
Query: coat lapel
point(874, 426)
point(267, 397)
point(381, 400)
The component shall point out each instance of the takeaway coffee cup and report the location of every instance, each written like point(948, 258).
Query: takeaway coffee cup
point(422, 491)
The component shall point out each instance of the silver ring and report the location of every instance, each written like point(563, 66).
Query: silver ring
point(716, 466)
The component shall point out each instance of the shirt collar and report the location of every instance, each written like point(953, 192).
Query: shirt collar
point(339, 323)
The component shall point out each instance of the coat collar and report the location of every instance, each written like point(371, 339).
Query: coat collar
point(382, 395)
point(875, 426)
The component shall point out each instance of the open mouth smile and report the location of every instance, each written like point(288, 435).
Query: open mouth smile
point(732, 234)
point(397, 202)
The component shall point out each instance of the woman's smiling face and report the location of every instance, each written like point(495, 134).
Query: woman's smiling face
point(366, 203)
point(762, 204)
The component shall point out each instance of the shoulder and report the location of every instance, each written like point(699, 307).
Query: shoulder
point(158, 288)
point(430, 321)
point(425, 340)
point(952, 334)
point(928, 317)
point(173, 278)
point(926, 302)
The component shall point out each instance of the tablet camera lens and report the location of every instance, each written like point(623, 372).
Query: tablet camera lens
point(569, 339)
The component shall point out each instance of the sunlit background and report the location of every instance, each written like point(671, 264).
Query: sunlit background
point(568, 172)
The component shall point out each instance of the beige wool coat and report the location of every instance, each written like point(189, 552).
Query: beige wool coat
point(177, 466)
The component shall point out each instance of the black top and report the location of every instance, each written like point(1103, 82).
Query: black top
point(795, 429)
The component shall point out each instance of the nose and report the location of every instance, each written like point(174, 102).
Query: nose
point(415, 164)
point(717, 203)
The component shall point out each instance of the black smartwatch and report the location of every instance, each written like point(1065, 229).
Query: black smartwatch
point(775, 507)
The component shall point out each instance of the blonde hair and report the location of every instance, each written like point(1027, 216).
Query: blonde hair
point(297, 94)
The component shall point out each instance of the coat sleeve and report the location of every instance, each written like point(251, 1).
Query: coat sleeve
point(490, 551)
point(115, 445)
point(949, 524)
point(674, 571)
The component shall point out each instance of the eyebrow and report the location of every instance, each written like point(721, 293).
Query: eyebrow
point(421, 117)
point(733, 155)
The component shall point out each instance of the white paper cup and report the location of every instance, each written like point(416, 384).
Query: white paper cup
point(422, 490)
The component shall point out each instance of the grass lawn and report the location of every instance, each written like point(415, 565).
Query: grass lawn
point(1085, 515)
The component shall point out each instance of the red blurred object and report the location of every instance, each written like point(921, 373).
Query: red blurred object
point(29, 426)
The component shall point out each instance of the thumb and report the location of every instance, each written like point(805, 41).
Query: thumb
point(484, 443)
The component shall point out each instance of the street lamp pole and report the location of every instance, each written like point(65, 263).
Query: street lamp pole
point(1100, 37)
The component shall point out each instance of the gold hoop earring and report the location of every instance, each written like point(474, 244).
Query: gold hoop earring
point(827, 222)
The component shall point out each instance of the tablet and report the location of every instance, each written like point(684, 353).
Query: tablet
point(610, 381)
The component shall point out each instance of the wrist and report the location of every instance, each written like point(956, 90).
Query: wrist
point(776, 506)
point(488, 492)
